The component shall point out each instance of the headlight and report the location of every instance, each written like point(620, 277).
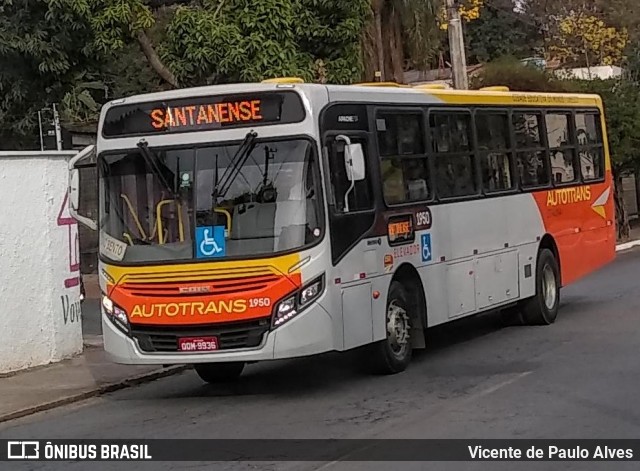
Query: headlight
point(117, 315)
point(290, 307)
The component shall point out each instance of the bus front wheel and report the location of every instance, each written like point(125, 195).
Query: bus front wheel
point(393, 355)
point(219, 372)
point(542, 309)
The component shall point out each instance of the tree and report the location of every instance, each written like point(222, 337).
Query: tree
point(500, 31)
point(579, 33)
point(217, 41)
point(42, 49)
point(583, 39)
point(400, 34)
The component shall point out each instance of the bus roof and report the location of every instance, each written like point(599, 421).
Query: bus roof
point(383, 93)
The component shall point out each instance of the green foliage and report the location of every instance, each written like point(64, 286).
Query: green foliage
point(235, 41)
point(500, 31)
point(43, 45)
point(622, 110)
point(518, 77)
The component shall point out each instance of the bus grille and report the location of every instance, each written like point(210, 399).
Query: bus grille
point(199, 287)
point(230, 336)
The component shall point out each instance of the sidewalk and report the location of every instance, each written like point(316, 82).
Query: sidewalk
point(634, 237)
point(82, 377)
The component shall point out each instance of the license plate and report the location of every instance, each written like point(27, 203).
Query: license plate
point(197, 344)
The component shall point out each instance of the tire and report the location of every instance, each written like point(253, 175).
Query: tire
point(219, 372)
point(393, 355)
point(542, 309)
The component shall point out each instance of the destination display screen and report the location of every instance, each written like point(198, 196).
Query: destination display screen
point(203, 114)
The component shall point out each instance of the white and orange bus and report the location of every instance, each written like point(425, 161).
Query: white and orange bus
point(250, 222)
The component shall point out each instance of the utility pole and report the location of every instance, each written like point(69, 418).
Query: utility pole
point(456, 46)
point(56, 123)
point(40, 126)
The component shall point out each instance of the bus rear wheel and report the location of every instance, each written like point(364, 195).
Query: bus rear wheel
point(219, 372)
point(542, 309)
point(393, 355)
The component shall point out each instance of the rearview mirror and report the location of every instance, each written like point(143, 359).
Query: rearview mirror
point(353, 159)
point(354, 162)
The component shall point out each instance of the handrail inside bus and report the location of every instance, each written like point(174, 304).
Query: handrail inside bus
point(134, 214)
point(161, 229)
point(125, 235)
point(228, 216)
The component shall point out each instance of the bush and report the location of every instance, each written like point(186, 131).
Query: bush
point(518, 77)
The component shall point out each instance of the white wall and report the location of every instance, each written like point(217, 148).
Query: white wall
point(603, 72)
point(39, 262)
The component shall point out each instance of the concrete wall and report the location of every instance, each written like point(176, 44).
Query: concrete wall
point(40, 318)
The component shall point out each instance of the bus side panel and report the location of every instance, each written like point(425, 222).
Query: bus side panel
point(581, 220)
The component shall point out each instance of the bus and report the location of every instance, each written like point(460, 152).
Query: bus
point(249, 222)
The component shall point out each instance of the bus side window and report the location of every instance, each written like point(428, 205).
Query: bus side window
point(561, 149)
point(590, 147)
point(454, 160)
point(531, 157)
point(404, 164)
point(494, 149)
point(360, 199)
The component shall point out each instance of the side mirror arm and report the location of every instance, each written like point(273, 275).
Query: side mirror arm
point(348, 161)
point(74, 187)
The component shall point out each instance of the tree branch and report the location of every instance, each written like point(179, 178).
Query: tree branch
point(155, 61)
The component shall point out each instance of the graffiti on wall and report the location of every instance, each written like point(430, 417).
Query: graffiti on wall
point(71, 312)
point(73, 243)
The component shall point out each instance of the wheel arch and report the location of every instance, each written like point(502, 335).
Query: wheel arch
point(408, 276)
point(548, 242)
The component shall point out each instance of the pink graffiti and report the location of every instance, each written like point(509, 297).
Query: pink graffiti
point(74, 244)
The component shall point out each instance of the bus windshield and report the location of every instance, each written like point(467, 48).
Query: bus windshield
point(228, 201)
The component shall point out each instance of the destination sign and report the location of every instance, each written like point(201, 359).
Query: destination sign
point(203, 114)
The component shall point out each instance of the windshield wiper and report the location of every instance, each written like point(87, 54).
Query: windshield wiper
point(152, 161)
point(237, 162)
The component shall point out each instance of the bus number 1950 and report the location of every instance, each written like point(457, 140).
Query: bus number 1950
point(259, 302)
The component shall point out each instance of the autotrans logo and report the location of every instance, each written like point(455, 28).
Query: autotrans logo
point(23, 450)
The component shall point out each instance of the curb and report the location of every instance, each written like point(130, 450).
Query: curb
point(627, 245)
point(97, 391)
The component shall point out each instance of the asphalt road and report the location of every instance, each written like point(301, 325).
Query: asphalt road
point(579, 378)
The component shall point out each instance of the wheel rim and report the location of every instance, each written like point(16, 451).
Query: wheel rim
point(397, 329)
point(549, 287)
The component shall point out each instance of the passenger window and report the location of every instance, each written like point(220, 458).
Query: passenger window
point(360, 198)
point(454, 162)
point(533, 169)
point(561, 150)
point(400, 134)
point(404, 164)
point(451, 132)
point(590, 146)
point(493, 144)
point(531, 155)
point(493, 131)
point(527, 129)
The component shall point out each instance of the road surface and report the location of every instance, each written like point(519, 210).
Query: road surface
point(579, 378)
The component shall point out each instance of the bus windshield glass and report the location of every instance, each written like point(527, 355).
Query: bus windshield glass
point(249, 199)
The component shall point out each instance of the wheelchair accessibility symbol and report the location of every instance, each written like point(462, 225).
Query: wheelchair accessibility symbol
point(426, 247)
point(210, 241)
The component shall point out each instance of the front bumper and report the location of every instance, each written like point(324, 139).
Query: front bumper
point(310, 333)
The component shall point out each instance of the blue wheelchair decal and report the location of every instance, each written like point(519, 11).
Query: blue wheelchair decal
point(426, 247)
point(210, 242)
